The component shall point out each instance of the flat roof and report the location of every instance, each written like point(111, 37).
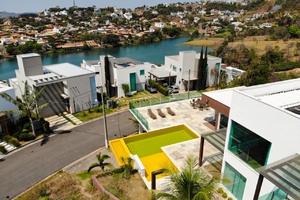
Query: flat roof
point(28, 55)
point(67, 70)
point(162, 73)
point(222, 96)
point(126, 62)
point(216, 138)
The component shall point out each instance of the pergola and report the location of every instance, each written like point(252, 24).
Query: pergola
point(285, 174)
point(216, 138)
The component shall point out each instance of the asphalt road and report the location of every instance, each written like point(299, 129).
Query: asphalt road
point(29, 165)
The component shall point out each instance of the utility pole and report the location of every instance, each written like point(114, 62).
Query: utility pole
point(189, 84)
point(104, 119)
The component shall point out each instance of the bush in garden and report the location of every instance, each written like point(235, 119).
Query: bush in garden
point(16, 135)
point(2, 149)
point(220, 190)
point(224, 195)
point(7, 138)
point(14, 141)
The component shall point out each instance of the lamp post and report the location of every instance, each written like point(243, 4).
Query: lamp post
point(104, 113)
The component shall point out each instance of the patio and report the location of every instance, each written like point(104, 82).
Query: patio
point(196, 119)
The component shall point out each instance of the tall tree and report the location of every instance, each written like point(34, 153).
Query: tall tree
point(191, 183)
point(107, 75)
point(27, 104)
point(199, 70)
point(101, 162)
point(202, 70)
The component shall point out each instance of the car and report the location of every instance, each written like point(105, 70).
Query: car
point(151, 88)
point(173, 89)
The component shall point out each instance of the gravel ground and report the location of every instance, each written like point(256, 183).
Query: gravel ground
point(84, 162)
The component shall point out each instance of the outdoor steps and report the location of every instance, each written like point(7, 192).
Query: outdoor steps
point(59, 123)
point(8, 147)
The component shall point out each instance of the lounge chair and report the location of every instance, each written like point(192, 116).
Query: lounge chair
point(151, 114)
point(170, 111)
point(161, 113)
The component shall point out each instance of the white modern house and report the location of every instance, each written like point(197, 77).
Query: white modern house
point(184, 67)
point(122, 71)
point(261, 145)
point(67, 87)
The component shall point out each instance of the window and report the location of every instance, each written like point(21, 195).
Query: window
point(248, 146)
point(142, 72)
point(234, 181)
point(174, 68)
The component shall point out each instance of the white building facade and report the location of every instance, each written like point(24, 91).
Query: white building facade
point(67, 87)
point(263, 127)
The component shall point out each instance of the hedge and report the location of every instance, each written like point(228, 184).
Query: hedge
point(163, 90)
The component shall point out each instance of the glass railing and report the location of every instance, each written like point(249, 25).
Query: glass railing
point(139, 116)
point(165, 99)
point(277, 194)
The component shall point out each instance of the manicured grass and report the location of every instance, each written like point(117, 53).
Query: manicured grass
point(145, 146)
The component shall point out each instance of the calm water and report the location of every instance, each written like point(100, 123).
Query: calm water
point(154, 53)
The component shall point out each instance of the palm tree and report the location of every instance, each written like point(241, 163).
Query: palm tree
point(27, 104)
point(101, 162)
point(189, 184)
point(125, 88)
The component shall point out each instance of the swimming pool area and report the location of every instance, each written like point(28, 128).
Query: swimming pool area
point(148, 147)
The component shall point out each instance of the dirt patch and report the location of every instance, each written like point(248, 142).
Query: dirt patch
point(126, 189)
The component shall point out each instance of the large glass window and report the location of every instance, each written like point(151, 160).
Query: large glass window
point(248, 146)
point(234, 181)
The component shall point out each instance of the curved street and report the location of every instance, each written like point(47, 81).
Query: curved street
point(29, 165)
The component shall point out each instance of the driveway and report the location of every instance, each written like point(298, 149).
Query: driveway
point(29, 165)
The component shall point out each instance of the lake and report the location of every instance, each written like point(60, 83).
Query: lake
point(154, 53)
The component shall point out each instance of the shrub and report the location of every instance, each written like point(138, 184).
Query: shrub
point(7, 138)
point(14, 142)
point(2, 149)
point(224, 195)
point(23, 137)
point(16, 135)
point(220, 190)
point(27, 126)
point(26, 137)
point(229, 198)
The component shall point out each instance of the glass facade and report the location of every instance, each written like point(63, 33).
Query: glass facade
point(234, 181)
point(94, 100)
point(248, 146)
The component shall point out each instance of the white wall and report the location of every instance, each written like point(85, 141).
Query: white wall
point(79, 90)
point(276, 125)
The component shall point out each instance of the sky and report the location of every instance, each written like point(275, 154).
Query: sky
point(21, 6)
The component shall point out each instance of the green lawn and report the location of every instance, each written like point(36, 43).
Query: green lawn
point(145, 146)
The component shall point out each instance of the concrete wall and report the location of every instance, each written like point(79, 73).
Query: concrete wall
point(79, 91)
point(276, 125)
point(30, 64)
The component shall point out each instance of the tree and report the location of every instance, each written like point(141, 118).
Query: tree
point(125, 88)
point(28, 104)
point(190, 184)
point(101, 162)
point(107, 75)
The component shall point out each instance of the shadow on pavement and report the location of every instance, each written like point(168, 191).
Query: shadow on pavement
point(45, 140)
point(65, 131)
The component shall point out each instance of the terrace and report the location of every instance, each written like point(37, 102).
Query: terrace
point(199, 121)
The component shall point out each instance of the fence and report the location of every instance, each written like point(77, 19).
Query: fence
point(138, 115)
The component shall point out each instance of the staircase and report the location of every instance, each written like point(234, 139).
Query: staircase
point(7, 146)
point(59, 124)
